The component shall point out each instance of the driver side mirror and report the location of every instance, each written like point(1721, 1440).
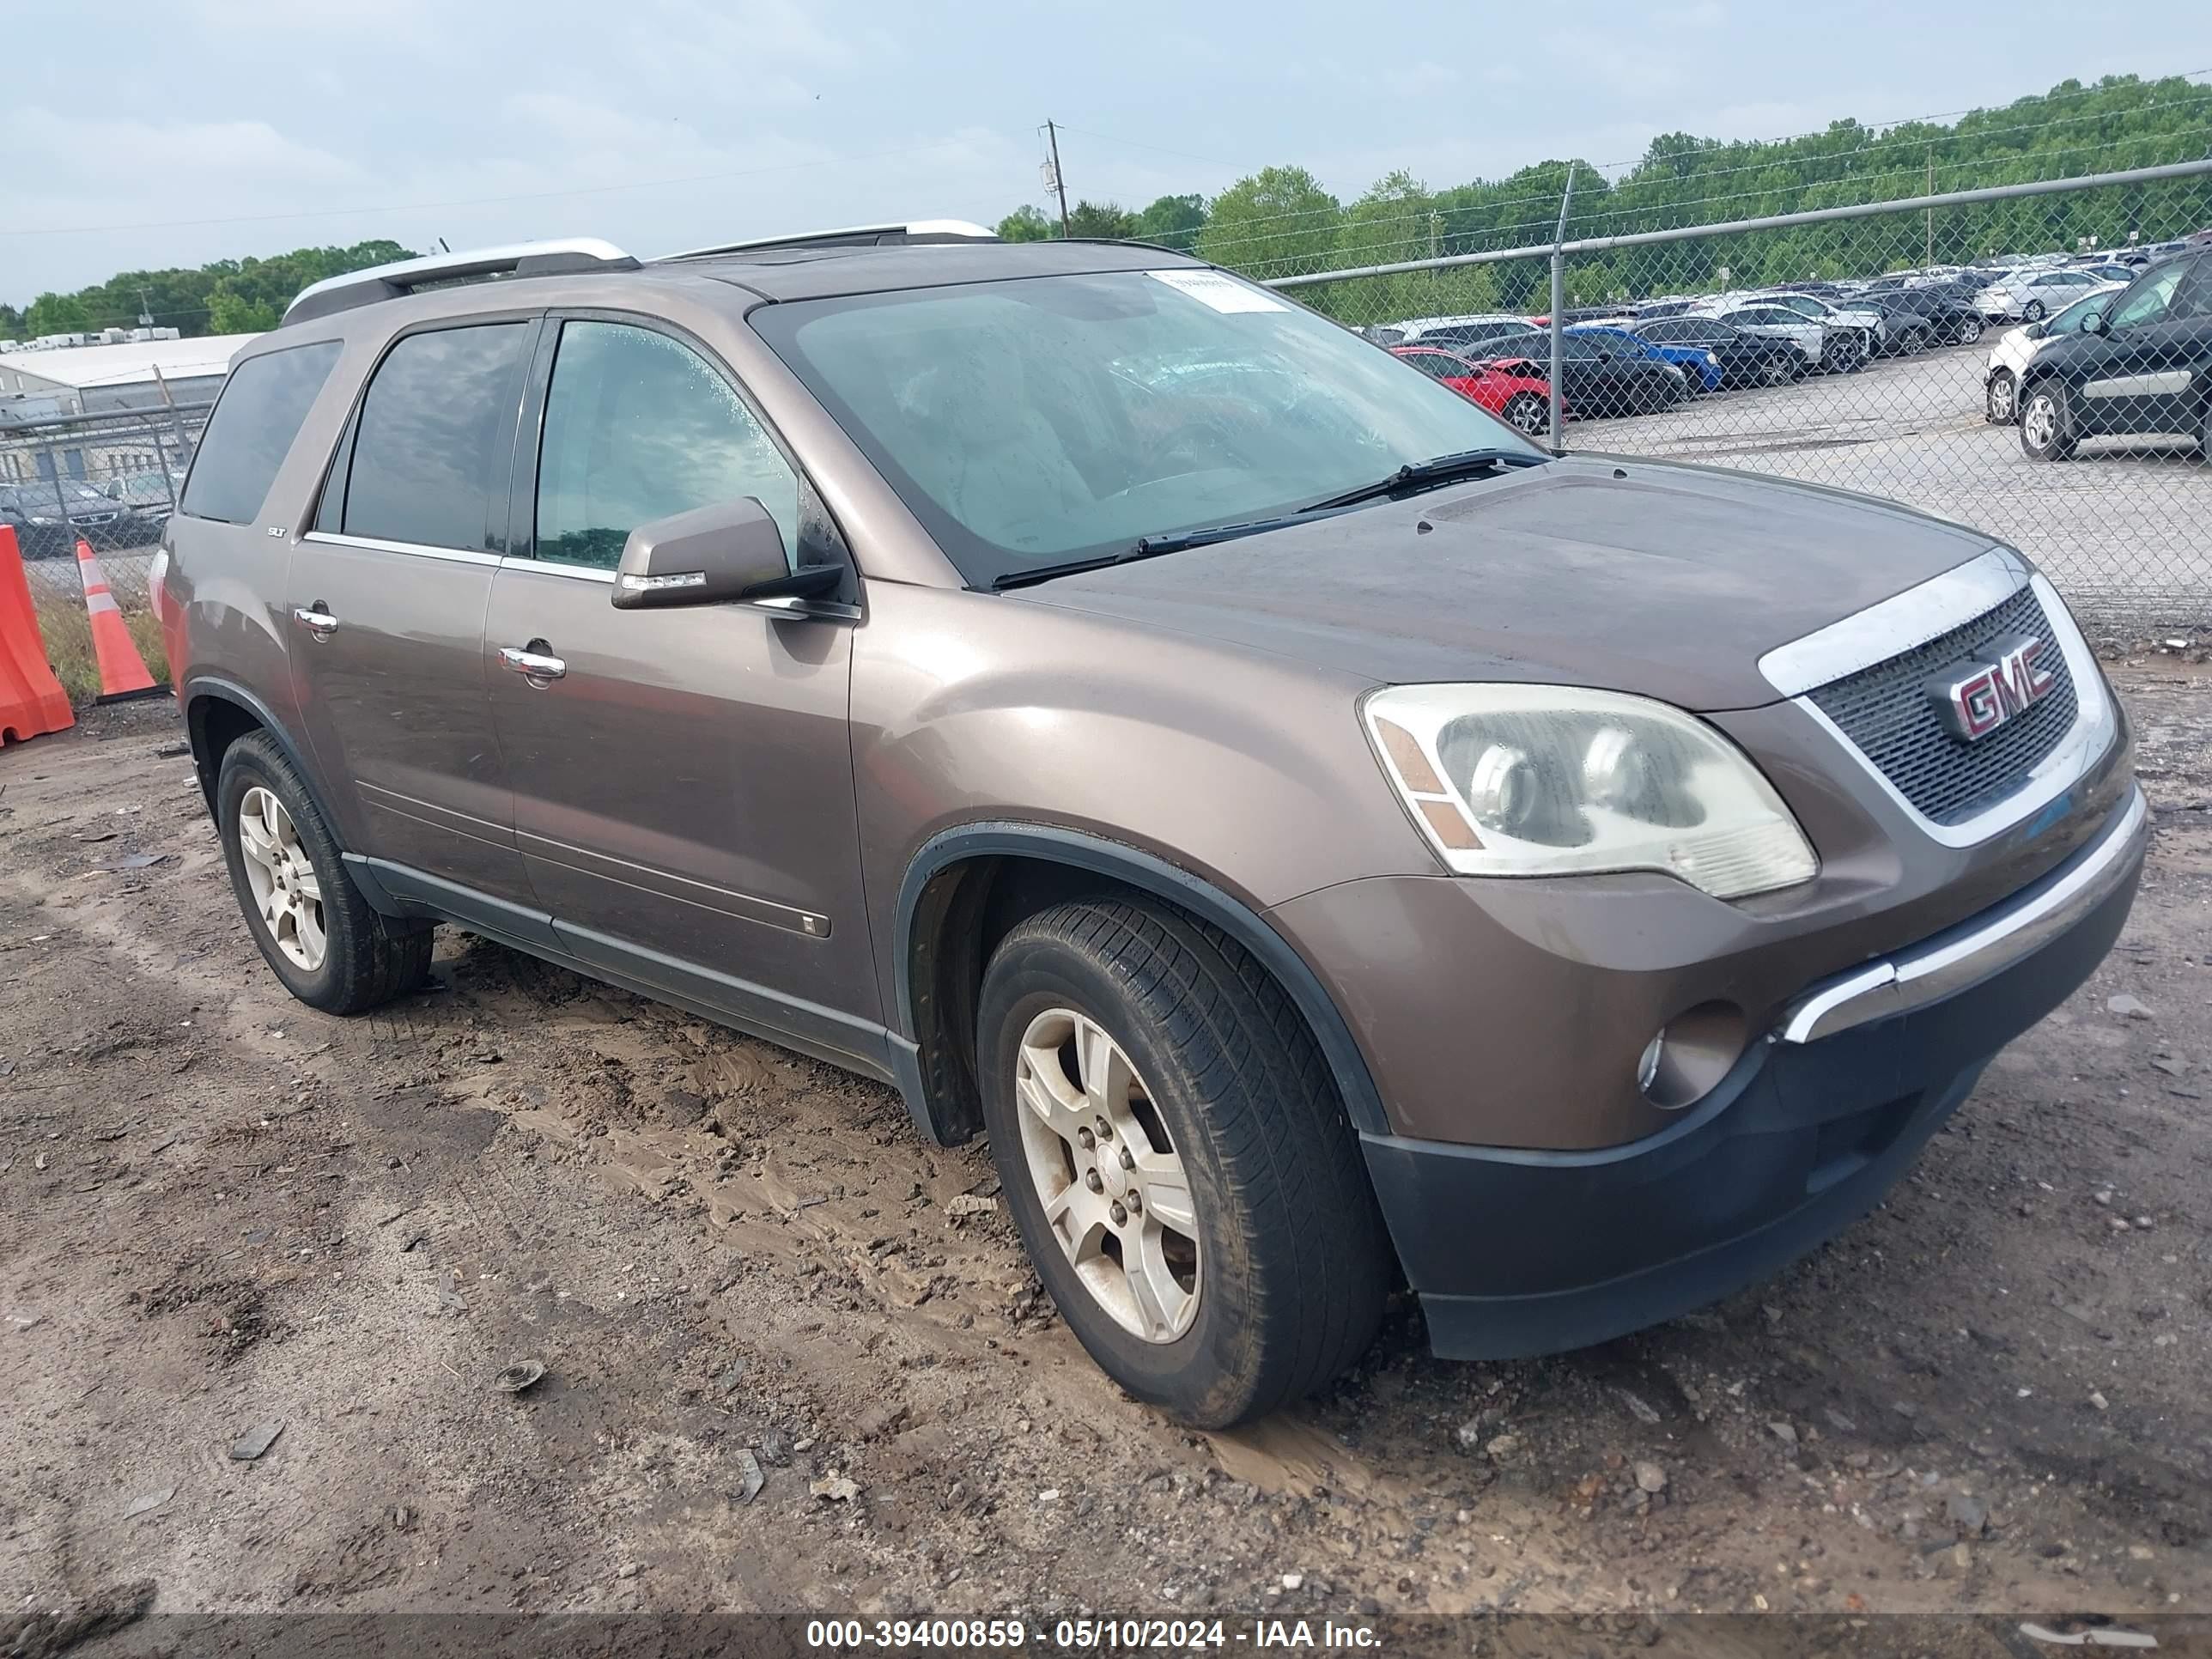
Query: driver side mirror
point(710, 555)
point(2094, 323)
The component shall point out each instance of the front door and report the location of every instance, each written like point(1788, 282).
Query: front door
point(385, 605)
point(2141, 376)
point(682, 777)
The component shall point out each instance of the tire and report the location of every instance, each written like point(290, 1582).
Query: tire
point(1776, 370)
point(2000, 399)
point(1916, 342)
point(2047, 431)
point(1288, 1262)
point(365, 960)
point(1528, 414)
point(1969, 330)
point(2032, 311)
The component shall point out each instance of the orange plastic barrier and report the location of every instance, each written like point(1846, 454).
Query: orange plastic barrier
point(31, 699)
point(122, 670)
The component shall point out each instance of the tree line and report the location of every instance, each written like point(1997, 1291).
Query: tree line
point(1281, 221)
point(230, 296)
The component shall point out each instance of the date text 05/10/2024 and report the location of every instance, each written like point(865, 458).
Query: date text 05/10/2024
point(1089, 1635)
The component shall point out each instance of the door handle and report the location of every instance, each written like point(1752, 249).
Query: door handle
point(317, 621)
point(533, 662)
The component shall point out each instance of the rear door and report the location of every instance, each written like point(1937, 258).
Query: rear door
point(684, 784)
point(386, 600)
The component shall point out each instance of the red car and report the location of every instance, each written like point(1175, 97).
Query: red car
point(1513, 391)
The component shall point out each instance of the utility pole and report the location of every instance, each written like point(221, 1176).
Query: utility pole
point(1929, 257)
point(1059, 184)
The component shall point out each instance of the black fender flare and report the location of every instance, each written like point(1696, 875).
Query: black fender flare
point(216, 688)
point(1136, 868)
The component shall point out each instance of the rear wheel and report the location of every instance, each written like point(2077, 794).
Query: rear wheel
point(1528, 414)
point(2032, 311)
point(308, 920)
point(1969, 330)
point(1172, 1147)
point(1916, 340)
point(2046, 422)
point(2000, 399)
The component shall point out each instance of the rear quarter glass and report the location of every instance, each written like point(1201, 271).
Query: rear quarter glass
point(252, 430)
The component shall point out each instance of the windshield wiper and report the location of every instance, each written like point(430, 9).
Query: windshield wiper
point(1145, 547)
point(1443, 469)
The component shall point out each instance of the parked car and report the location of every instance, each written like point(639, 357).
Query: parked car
point(1775, 323)
point(152, 495)
point(1933, 314)
point(2017, 347)
point(1600, 380)
point(1851, 334)
point(1701, 370)
point(2141, 366)
point(50, 516)
point(2031, 294)
point(1320, 841)
point(1516, 392)
point(1744, 358)
point(1453, 332)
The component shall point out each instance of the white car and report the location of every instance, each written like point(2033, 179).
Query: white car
point(1453, 332)
point(1854, 336)
point(2016, 348)
point(1770, 322)
point(2033, 294)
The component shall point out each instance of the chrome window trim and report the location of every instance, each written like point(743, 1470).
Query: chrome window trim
point(574, 573)
point(1916, 977)
point(419, 549)
point(1896, 625)
point(2074, 754)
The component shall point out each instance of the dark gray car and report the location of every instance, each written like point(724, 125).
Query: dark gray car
point(1323, 841)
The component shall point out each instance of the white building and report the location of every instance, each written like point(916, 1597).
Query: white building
point(91, 380)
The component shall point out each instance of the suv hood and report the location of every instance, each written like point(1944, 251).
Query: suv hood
point(1628, 575)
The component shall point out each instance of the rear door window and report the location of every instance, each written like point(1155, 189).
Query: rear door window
point(431, 445)
point(252, 430)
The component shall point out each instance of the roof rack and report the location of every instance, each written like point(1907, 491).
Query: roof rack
point(362, 288)
point(917, 231)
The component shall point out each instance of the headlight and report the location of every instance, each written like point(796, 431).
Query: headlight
point(1547, 780)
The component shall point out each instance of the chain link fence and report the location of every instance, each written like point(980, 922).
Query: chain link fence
point(111, 479)
point(2033, 359)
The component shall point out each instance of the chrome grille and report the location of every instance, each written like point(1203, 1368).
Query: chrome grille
point(1886, 712)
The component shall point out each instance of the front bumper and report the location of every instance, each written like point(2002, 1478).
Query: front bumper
point(1516, 1252)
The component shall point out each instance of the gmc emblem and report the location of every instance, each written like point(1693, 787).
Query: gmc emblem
point(1975, 698)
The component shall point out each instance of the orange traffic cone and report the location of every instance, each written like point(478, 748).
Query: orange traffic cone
point(122, 670)
point(31, 699)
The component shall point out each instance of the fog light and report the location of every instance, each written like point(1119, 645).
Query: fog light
point(1690, 1056)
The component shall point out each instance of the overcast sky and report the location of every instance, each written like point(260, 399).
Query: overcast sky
point(169, 134)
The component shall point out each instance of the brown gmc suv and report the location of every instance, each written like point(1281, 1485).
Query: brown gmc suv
point(1321, 840)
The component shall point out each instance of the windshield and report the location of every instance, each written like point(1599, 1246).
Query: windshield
point(1045, 419)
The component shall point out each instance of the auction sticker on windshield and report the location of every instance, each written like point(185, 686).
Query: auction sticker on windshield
point(1212, 288)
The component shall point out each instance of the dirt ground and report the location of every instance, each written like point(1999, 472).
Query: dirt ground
point(222, 1213)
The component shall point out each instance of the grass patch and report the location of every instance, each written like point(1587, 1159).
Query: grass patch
point(66, 633)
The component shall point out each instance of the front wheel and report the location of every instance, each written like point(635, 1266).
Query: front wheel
point(1528, 414)
point(1916, 341)
point(2046, 422)
point(1969, 330)
point(1999, 399)
point(1174, 1151)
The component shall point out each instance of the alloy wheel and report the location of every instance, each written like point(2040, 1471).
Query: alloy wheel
point(2000, 398)
point(2038, 421)
point(287, 896)
point(1111, 1182)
